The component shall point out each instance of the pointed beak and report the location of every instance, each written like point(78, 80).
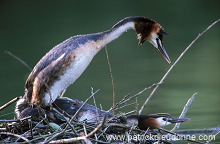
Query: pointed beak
point(162, 50)
point(177, 120)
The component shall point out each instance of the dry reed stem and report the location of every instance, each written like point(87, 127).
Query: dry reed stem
point(112, 78)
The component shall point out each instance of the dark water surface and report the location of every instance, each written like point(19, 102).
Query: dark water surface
point(31, 28)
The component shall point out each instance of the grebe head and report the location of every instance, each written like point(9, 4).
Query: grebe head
point(153, 121)
point(153, 32)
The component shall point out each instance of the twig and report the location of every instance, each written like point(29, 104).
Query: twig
point(16, 135)
point(134, 96)
point(85, 131)
point(64, 129)
point(185, 109)
point(125, 99)
point(94, 101)
point(31, 128)
point(66, 119)
point(181, 136)
point(199, 131)
point(174, 64)
point(112, 78)
point(30, 69)
point(217, 132)
point(81, 137)
point(83, 104)
point(16, 120)
point(19, 59)
point(125, 106)
point(62, 93)
point(9, 103)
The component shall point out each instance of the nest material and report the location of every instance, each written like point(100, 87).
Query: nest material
point(28, 131)
point(63, 124)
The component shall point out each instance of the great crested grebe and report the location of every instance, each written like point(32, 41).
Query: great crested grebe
point(153, 121)
point(63, 64)
point(91, 114)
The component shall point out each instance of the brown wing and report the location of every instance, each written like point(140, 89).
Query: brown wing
point(40, 66)
point(49, 58)
point(47, 77)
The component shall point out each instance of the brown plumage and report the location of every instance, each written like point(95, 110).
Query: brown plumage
point(154, 121)
point(63, 64)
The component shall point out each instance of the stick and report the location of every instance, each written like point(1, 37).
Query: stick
point(9, 103)
point(29, 68)
point(69, 140)
point(174, 64)
point(83, 105)
point(181, 136)
point(67, 121)
point(199, 131)
point(19, 59)
point(64, 129)
point(16, 120)
point(112, 78)
point(217, 132)
point(16, 135)
point(125, 99)
point(185, 109)
point(94, 101)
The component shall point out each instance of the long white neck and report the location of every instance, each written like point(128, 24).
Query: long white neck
point(115, 32)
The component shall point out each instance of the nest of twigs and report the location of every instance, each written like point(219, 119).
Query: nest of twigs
point(70, 130)
point(58, 126)
point(44, 130)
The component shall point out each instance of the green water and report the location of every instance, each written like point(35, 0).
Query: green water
point(31, 28)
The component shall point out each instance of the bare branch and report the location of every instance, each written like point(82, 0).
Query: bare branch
point(81, 137)
point(9, 103)
point(174, 64)
point(59, 133)
point(185, 110)
point(125, 99)
point(112, 78)
point(19, 59)
point(16, 135)
point(199, 131)
point(16, 120)
point(216, 131)
point(181, 136)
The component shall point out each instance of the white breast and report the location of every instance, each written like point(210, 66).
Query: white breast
point(84, 55)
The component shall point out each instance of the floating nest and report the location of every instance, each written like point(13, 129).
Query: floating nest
point(71, 121)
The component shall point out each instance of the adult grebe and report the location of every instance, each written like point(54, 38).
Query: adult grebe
point(63, 64)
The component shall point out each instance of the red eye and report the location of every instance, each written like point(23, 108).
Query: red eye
point(165, 119)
